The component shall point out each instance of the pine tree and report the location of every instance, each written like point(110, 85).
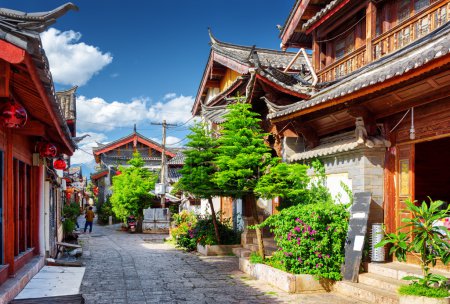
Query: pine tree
point(198, 169)
point(242, 157)
point(131, 189)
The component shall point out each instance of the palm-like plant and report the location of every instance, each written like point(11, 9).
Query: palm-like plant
point(424, 240)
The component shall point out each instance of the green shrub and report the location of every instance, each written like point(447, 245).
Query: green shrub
point(423, 291)
point(68, 225)
point(310, 239)
point(104, 211)
point(204, 232)
point(255, 258)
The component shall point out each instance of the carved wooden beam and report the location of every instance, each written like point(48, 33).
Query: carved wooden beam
point(369, 118)
point(212, 84)
point(32, 128)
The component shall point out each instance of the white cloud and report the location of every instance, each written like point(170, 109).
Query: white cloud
point(99, 115)
point(176, 110)
point(72, 62)
point(169, 96)
point(84, 153)
point(172, 141)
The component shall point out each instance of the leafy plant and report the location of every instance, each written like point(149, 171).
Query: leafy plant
point(242, 157)
point(199, 169)
point(423, 291)
point(131, 189)
point(104, 211)
point(424, 240)
point(256, 258)
point(310, 239)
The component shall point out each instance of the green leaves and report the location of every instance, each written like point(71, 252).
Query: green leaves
point(424, 238)
point(131, 189)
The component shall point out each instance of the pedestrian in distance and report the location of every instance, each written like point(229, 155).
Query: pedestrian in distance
point(89, 216)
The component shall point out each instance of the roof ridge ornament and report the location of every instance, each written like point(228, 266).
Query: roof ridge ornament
point(212, 38)
point(37, 22)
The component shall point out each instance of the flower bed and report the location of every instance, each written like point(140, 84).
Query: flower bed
point(212, 250)
point(293, 283)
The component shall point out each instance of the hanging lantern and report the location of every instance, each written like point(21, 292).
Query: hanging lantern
point(14, 115)
point(59, 164)
point(47, 150)
point(118, 172)
point(95, 190)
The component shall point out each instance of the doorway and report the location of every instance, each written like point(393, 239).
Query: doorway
point(432, 170)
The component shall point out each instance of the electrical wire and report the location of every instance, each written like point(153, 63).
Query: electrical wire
point(399, 121)
point(344, 32)
point(177, 142)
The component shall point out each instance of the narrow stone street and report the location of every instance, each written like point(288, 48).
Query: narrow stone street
point(141, 268)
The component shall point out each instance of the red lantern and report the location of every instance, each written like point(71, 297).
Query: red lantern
point(59, 164)
point(14, 115)
point(95, 190)
point(118, 172)
point(47, 150)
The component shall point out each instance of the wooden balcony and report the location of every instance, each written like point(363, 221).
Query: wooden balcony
point(411, 29)
point(344, 65)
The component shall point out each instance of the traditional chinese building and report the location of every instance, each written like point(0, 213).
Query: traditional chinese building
point(33, 132)
point(117, 153)
point(268, 79)
point(380, 111)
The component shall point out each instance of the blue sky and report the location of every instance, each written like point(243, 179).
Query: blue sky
point(141, 61)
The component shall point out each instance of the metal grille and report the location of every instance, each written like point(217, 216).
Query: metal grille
point(378, 254)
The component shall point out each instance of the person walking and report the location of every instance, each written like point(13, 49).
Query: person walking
point(89, 220)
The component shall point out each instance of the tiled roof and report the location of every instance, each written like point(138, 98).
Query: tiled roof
point(173, 174)
point(320, 14)
point(432, 46)
point(328, 148)
point(22, 30)
point(215, 114)
point(178, 159)
point(267, 57)
point(286, 81)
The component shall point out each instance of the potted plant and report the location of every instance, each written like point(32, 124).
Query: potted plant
point(427, 242)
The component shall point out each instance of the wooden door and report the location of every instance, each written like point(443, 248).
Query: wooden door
point(405, 180)
point(226, 208)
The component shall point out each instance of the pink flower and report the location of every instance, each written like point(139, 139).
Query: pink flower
point(300, 260)
point(297, 228)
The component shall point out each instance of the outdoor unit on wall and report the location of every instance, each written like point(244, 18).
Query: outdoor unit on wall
point(160, 189)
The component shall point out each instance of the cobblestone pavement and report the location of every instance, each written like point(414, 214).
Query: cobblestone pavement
point(141, 268)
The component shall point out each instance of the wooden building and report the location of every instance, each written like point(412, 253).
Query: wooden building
point(32, 132)
point(117, 153)
point(380, 112)
point(269, 80)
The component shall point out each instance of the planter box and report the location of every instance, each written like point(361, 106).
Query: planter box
point(422, 300)
point(211, 250)
point(293, 283)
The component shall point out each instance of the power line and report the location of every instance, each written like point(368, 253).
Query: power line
point(173, 144)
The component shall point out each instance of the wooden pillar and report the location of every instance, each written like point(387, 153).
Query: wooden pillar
point(316, 52)
point(9, 237)
point(36, 186)
point(371, 17)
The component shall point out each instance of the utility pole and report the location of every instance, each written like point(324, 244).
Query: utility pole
point(163, 160)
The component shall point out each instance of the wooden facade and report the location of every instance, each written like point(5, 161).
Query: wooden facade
point(25, 174)
point(388, 64)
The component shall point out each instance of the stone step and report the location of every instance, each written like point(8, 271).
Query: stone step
point(270, 242)
point(379, 281)
point(241, 252)
point(366, 293)
point(396, 270)
point(268, 250)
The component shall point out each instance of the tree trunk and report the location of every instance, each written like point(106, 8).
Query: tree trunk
point(214, 220)
point(258, 230)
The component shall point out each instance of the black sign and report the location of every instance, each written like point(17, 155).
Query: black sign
point(357, 228)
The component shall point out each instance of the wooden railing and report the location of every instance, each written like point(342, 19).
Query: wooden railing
point(411, 29)
point(344, 65)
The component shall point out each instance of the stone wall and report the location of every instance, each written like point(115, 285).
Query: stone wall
point(365, 171)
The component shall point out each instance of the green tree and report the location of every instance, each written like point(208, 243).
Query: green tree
point(131, 189)
point(242, 157)
point(198, 169)
point(287, 181)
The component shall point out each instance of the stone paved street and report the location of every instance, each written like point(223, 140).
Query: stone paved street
point(140, 268)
